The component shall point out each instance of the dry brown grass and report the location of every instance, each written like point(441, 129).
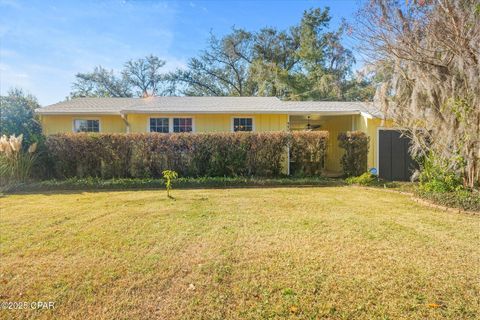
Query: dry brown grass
point(301, 253)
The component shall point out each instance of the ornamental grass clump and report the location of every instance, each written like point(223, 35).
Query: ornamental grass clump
point(15, 163)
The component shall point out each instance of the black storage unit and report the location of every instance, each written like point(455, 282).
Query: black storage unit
point(395, 162)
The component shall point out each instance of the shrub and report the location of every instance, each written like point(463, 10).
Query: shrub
point(145, 155)
point(368, 179)
point(354, 160)
point(440, 184)
point(435, 176)
point(15, 163)
point(307, 152)
point(365, 179)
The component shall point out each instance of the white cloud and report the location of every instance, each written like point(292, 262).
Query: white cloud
point(174, 63)
point(11, 78)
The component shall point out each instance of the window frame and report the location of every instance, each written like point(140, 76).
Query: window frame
point(232, 124)
point(150, 126)
point(74, 129)
point(183, 117)
point(171, 119)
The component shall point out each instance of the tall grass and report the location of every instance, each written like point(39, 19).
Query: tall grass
point(15, 163)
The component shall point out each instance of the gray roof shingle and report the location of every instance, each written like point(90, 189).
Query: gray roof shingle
point(204, 105)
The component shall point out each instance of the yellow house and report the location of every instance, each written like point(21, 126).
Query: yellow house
point(387, 152)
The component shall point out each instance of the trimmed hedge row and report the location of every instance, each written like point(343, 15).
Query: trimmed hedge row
point(146, 155)
point(354, 160)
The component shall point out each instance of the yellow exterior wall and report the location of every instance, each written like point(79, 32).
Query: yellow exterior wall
point(223, 123)
point(140, 122)
point(61, 124)
point(371, 130)
point(213, 122)
point(334, 125)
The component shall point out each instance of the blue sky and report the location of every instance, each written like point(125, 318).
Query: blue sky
point(43, 44)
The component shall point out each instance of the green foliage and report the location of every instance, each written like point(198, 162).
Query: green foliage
point(370, 180)
point(359, 88)
point(436, 177)
point(17, 116)
point(191, 155)
point(304, 62)
point(184, 182)
point(461, 198)
point(444, 186)
point(365, 179)
point(169, 176)
point(354, 160)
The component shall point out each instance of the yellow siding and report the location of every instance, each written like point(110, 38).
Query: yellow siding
point(223, 123)
point(61, 124)
point(334, 125)
point(140, 122)
point(371, 131)
point(213, 122)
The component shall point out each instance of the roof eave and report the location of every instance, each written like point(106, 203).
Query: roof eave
point(71, 113)
point(286, 112)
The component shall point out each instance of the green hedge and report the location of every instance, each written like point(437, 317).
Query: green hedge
point(354, 160)
point(180, 183)
point(463, 199)
point(146, 155)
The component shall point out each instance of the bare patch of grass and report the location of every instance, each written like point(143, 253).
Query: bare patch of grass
point(301, 253)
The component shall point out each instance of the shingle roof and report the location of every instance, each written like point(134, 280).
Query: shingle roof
point(332, 106)
point(89, 105)
point(204, 105)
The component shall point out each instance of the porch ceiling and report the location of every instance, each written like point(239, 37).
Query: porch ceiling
point(317, 121)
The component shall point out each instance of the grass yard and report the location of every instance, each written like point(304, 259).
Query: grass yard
point(259, 253)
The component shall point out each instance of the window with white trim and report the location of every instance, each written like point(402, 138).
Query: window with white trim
point(159, 125)
point(82, 125)
point(182, 125)
point(242, 124)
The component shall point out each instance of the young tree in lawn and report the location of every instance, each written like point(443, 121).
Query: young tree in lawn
point(427, 54)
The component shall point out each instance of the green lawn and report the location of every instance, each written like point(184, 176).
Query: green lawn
point(258, 253)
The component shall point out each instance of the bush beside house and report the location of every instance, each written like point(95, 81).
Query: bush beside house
point(307, 152)
point(354, 160)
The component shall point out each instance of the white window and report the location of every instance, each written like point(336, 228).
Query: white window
point(182, 125)
point(159, 125)
point(81, 125)
point(242, 124)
